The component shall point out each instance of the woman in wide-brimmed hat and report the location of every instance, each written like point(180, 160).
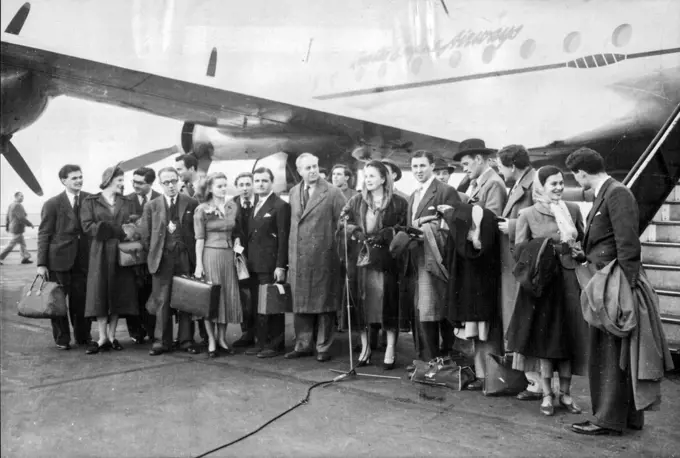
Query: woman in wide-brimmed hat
point(111, 289)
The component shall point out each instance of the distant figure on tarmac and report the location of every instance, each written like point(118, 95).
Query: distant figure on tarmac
point(15, 224)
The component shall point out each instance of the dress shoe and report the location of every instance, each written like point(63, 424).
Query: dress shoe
point(298, 354)
point(64, 347)
point(268, 353)
point(95, 348)
point(84, 341)
point(634, 427)
point(26, 261)
point(193, 350)
point(548, 409)
point(157, 351)
point(475, 385)
point(527, 395)
point(591, 429)
point(323, 357)
point(137, 340)
point(253, 351)
point(243, 343)
point(568, 403)
point(116, 345)
point(213, 354)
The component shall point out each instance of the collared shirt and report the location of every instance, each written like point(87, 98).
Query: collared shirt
point(310, 188)
point(474, 184)
point(425, 186)
point(599, 185)
point(70, 196)
point(420, 192)
point(250, 199)
point(169, 199)
point(260, 202)
point(140, 198)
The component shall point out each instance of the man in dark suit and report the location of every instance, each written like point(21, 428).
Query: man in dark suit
point(246, 201)
point(15, 224)
point(168, 237)
point(142, 325)
point(267, 238)
point(612, 232)
point(63, 251)
point(429, 307)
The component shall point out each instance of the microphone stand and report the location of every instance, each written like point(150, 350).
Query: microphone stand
point(352, 371)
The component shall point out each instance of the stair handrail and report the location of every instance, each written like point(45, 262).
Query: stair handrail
point(652, 148)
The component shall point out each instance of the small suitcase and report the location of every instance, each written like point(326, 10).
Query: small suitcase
point(194, 296)
point(275, 298)
point(131, 254)
point(47, 300)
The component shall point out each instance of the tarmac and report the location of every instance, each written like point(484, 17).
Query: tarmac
point(129, 404)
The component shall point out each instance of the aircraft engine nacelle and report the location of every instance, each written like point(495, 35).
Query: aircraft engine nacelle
point(283, 167)
point(23, 97)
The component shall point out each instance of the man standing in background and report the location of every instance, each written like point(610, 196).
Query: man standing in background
point(187, 167)
point(63, 255)
point(314, 272)
point(143, 325)
point(15, 224)
point(341, 175)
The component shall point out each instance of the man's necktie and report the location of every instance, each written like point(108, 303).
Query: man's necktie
point(172, 207)
point(76, 209)
point(305, 197)
point(246, 203)
point(473, 188)
point(143, 200)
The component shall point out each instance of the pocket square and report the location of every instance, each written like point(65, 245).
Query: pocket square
point(267, 215)
point(598, 213)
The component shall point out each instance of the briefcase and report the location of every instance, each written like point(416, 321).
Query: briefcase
point(131, 254)
point(275, 298)
point(195, 296)
point(47, 300)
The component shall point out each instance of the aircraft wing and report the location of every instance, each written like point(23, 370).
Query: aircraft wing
point(195, 103)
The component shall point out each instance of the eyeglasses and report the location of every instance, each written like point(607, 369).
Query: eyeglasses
point(169, 182)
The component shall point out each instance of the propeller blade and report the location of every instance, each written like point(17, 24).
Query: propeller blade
point(149, 158)
point(20, 167)
point(17, 22)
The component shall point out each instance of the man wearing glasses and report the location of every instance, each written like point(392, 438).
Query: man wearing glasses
point(142, 325)
point(168, 237)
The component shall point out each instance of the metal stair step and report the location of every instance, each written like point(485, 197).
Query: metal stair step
point(669, 211)
point(674, 196)
point(669, 301)
point(671, 327)
point(662, 231)
point(666, 253)
point(663, 277)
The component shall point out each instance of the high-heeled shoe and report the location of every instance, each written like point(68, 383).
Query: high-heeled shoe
point(570, 405)
point(213, 354)
point(548, 410)
point(226, 349)
point(387, 364)
point(365, 361)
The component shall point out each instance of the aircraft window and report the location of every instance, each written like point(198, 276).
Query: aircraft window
point(416, 63)
point(382, 70)
point(527, 49)
point(572, 42)
point(454, 60)
point(360, 74)
point(622, 34)
point(488, 54)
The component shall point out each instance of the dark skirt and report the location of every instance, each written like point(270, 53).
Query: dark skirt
point(540, 327)
point(378, 298)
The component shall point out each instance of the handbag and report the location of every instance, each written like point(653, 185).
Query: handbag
point(275, 298)
point(195, 296)
point(48, 300)
point(241, 266)
point(131, 254)
point(501, 378)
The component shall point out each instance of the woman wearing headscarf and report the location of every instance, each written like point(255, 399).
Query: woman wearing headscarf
point(551, 327)
point(370, 218)
point(111, 289)
point(216, 225)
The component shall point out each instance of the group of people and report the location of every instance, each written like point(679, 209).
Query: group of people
point(446, 263)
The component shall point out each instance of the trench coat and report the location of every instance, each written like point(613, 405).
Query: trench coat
point(314, 264)
point(111, 289)
point(518, 199)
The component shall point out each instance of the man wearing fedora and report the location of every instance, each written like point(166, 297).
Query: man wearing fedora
point(443, 171)
point(486, 189)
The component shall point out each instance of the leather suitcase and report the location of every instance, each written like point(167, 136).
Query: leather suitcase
point(131, 254)
point(195, 296)
point(47, 300)
point(275, 298)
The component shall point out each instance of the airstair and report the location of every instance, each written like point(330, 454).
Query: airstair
point(655, 182)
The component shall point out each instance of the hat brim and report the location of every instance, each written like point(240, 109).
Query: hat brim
point(473, 152)
point(448, 168)
point(105, 183)
point(394, 168)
